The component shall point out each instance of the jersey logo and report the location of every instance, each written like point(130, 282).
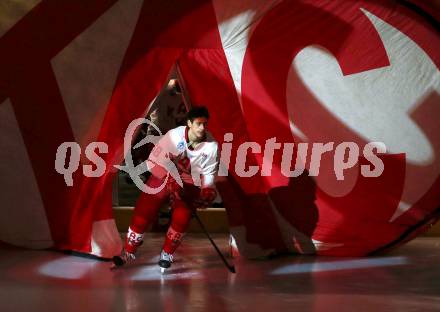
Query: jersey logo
point(181, 146)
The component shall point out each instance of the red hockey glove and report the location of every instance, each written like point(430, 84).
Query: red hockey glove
point(174, 189)
point(206, 197)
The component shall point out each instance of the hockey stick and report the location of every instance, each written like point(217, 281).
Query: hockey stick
point(231, 268)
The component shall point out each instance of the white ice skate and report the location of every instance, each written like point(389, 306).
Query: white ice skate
point(165, 261)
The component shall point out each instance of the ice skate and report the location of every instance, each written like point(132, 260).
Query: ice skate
point(123, 259)
point(165, 261)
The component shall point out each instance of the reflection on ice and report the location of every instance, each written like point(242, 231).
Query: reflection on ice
point(340, 265)
point(68, 267)
point(152, 273)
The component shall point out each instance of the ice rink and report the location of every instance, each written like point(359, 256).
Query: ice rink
point(407, 279)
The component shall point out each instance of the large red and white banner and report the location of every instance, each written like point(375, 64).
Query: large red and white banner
point(332, 107)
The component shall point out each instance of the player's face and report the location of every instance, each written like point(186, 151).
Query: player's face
point(198, 127)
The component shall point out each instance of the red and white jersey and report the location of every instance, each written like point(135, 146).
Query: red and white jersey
point(196, 166)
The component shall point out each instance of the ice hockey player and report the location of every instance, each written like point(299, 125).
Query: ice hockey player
point(193, 152)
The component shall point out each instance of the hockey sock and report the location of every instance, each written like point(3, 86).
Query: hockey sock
point(133, 241)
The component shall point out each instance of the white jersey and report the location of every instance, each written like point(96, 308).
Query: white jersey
point(196, 166)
